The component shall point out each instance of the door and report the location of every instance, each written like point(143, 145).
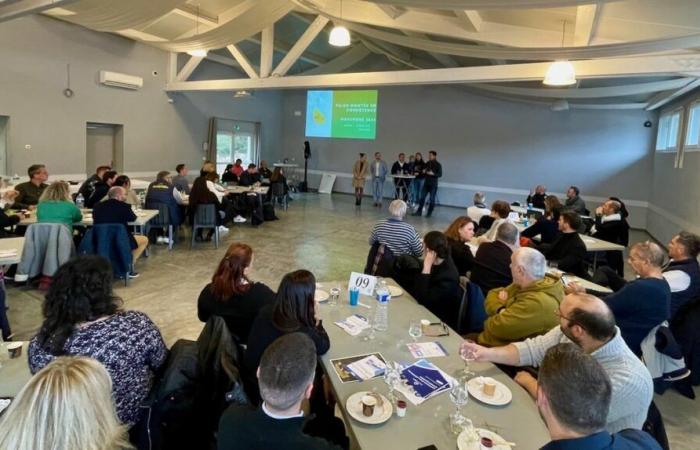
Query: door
point(104, 147)
point(3, 144)
point(236, 140)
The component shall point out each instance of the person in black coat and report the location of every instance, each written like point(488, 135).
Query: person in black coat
point(458, 235)
point(286, 379)
point(547, 227)
point(492, 260)
point(101, 188)
point(567, 249)
point(5, 220)
point(610, 227)
point(401, 167)
point(232, 295)
point(88, 186)
point(250, 176)
point(537, 199)
point(228, 176)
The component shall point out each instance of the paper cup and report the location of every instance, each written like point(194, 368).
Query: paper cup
point(489, 388)
point(368, 404)
point(14, 349)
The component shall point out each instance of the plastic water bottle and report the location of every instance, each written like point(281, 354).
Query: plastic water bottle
point(381, 312)
point(80, 201)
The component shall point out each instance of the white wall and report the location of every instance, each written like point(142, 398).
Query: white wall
point(503, 148)
point(157, 134)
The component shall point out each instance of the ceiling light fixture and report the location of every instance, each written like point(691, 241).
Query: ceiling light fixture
point(560, 73)
point(340, 36)
point(200, 52)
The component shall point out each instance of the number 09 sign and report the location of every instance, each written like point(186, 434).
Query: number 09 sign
point(363, 283)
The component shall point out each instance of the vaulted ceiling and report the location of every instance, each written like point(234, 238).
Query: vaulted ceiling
point(627, 53)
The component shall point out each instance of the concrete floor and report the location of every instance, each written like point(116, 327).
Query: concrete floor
point(321, 233)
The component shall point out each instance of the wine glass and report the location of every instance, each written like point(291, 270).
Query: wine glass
point(459, 395)
point(467, 356)
point(415, 330)
point(392, 377)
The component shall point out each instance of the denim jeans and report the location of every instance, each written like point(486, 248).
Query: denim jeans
point(416, 188)
point(428, 188)
point(378, 189)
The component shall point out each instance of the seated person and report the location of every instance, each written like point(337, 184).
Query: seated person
point(526, 307)
point(162, 191)
point(574, 202)
point(294, 310)
point(682, 272)
point(82, 317)
point(458, 235)
point(278, 177)
point(401, 237)
point(29, 192)
point(180, 180)
point(232, 295)
point(131, 197)
point(88, 186)
point(212, 179)
point(568, 249)
point(116, 210)
point(56, 206)
point(202, 195)
point(264, 170)
point(7, 199)
point(574, 397)
point(479, 208)
point(250, 176)
point(437, 285)
point(101, 188)
point(286, 379)
point(642, 304)
point(228, 176)
point(237, 168)
point(69, 395)
point(492, 260)
point(547, 227)
point(610, 227)
point(499, 213)
point(625, 214)
point(587, 322)
point(537, 198)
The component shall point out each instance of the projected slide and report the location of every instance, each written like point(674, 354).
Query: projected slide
point(341, 114)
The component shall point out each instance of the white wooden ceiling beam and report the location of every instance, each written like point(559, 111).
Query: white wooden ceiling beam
point(351, 57)
point(471, 19)
point(667, 65)
point(224, 60)
point(445, 60)
point(300, 46)
point(392, 11)
point(267, 51)
point(188, 68)
point(663, 98)
point(586, 23)
point(172, 67)
point(284, 47)
point(14, 9)
point(242, 60)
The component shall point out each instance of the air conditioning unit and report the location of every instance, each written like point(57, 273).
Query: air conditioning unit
point(120, 80)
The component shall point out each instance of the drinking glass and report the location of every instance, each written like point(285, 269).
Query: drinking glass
point(392, 377)
point(467, 356)
point(459, 396)
point(334, 295)
point(415, 330)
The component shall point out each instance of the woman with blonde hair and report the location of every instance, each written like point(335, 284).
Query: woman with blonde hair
point(56, 206)
point(66, 405)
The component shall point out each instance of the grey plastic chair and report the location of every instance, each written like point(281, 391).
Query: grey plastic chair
point(205, 218)
point(162, 221)
point(277, 191)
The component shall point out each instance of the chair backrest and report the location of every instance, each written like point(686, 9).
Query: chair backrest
point(111, 241)
point(277, 189)
point(205, 215)
point(163, 217)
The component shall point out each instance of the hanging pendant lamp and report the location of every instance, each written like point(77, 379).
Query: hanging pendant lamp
point(200, 52)
point(340, 36)
point(560, 73)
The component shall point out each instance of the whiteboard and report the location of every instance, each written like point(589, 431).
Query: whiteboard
point(327, 182)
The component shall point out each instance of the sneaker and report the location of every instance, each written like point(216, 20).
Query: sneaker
point(21, 278)
point(164, 240)
point(239, 219)
point(223, 229)
point(133, 274)
point(159, 239)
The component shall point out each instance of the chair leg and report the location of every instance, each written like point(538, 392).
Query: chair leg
point(194, 233)
point(170, 237)
point(216, 237)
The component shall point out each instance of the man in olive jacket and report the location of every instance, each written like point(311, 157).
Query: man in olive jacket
point(525, 308)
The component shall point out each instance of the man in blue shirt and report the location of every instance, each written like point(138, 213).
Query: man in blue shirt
point(573, 397)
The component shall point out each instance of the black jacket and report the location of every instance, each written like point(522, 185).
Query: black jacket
point(614, 231)
point(115, 211)
point(100, 189)
point(537, 200)
point(248, 179)
point(439, 291)
point(7, 221)
point(569, 251)
point(492, 266)
point(461, 255)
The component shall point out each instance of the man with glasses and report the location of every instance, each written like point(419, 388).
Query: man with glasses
point(586, 321)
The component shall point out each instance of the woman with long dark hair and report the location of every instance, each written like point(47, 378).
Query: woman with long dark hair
point(458, 235)
point(547, 227)
point(82, 317)
point(294, 310)
point(232, 294)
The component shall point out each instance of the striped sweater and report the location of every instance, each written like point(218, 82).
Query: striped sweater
point(399, 236)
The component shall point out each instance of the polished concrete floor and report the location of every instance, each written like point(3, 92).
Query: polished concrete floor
point(321, 233)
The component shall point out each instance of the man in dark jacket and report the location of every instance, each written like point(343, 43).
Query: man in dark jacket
point(432, 171)
point(574, 201)
point(101, 188)
point(116, 210)
point(286, 379)
point(567, 249)
point(610, 226)
point(492, 259)
point(250, 176)
point(88, 187)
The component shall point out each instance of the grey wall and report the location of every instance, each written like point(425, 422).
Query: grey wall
point(157, 134)
point(674, 203)
point(503, 148)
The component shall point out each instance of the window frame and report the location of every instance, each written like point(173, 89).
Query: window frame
point(695, 105)
point(679, 136)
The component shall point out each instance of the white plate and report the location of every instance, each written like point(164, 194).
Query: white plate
point(381, 413)
point(395, 291)
point(464, 444)
point(321, 295)
point(501, 397)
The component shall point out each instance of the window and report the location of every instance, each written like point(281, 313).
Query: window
point(692, 134)
point(667, 135)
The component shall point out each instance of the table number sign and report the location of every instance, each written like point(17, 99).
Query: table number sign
point(365, 283)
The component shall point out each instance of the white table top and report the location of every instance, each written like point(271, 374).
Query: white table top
point(427, 423)
point(243, 189)
point(524, 210)
point(285, 165)
point(142, 218)
point(14, 373)
point(14, 243)
point(400, 175)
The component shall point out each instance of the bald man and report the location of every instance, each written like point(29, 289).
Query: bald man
point(586, 321)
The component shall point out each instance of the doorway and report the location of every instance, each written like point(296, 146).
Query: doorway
point(104, 146)
point(235, 139)
point(4, 120)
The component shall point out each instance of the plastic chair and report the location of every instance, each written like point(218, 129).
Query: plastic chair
point(277, 192)
point(162, 221)
point(205, 217)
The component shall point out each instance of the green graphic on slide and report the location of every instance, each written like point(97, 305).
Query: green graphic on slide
point(354, 114)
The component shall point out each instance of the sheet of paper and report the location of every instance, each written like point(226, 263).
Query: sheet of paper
point(426, 349)
point(354, 324)
point(367, 368)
